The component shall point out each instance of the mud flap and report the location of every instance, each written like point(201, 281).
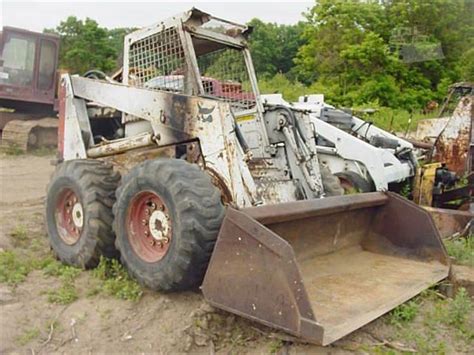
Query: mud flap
point(320, 269)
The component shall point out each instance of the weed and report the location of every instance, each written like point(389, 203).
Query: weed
point(27, 336)
point(275, 346)
point(459, 309)
point(66, 294)
point(406, 190)
point(42, 263)
point(462, 250)
point(19, 235)
point(11, 150)
point(404, 313)
point(12, 269)
point(116, 281)
point(65, 272)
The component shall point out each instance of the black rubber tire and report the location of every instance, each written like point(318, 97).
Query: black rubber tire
point(196, 213)
point(358, 182)
point(331, 184)
point(94, 182)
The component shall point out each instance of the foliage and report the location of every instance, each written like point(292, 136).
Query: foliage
point(84, 46)
point(282, 85)
point(66, 294)
point(116, 281)
point(404, 313)
point(28, 336)
point(459, 309)
point(12, 269)
point(274, 46)
point(19, 235)
point(462, 250)
point(58, 269)
point(11, 149)
point(348, 49)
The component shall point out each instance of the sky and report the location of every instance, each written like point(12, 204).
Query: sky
point(37, 15)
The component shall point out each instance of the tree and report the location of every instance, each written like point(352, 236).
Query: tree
point(349, 49)
point(85, 46)
point(274, 46)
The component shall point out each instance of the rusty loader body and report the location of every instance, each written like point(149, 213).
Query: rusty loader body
point(224, 190)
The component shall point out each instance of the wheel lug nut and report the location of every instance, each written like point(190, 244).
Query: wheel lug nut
point(153, 205)
point(147, 212)
point(144, 222)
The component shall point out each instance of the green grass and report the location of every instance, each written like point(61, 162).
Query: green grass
point(396, 120)
point(462, 250)
point(27, 336)
point(404, 313)
point(427, 329)
point(275, 346)
point(458, 311)
point(12, 269)
point(115, 281)
point(66, 294)
point(58, 269)
point(12, 150)
point(19, 235)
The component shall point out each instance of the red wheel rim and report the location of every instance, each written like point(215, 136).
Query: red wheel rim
point(149, 226)
point(69, 216)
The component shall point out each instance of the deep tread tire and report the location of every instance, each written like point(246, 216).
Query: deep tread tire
point(331, 184)
point(94, 182)
point(196, 216)
point(358, 182)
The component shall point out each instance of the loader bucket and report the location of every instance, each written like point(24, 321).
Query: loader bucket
point(319, 269)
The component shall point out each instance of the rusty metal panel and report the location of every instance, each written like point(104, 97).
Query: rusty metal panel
point(428, 129)
point(179, 118)
point(450, 222)
point(320, 269)
point(453, 144)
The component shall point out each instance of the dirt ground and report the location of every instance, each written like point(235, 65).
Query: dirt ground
point(159, 323)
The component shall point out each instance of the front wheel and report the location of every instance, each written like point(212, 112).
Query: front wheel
point(167, 217)
point(79, 217)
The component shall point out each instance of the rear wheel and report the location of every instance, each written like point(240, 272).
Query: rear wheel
point(167, 217)
point(79, 216)
point(331, 184)
point(352, 182)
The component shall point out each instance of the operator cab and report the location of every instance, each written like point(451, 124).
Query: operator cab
point(28, 62)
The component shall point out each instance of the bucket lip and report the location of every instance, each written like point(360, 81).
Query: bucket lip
point(294, 210)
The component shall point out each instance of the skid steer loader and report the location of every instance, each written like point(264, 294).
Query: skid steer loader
point(205, 185)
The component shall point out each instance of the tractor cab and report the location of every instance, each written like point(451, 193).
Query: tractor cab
point(28, 62)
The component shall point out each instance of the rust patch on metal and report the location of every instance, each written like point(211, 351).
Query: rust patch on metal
point(453, 144)
point(450, 222)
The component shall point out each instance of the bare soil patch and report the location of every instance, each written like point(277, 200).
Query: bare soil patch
point(95, 322)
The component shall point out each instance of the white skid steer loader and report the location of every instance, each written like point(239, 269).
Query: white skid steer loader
point(203, 183)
